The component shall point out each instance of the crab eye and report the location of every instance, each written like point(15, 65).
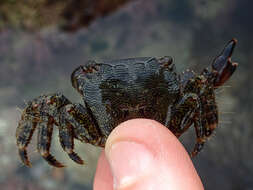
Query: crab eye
point(75, 75)
point(166, 61)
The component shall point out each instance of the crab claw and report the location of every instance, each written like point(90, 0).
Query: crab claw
point(223, 65)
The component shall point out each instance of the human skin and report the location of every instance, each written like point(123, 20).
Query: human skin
point(143, 154)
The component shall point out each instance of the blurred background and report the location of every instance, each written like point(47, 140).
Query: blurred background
point(43, 41)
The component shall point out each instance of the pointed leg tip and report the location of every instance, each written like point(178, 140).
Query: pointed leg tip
point(28, 164)
point(76, 158)
point(59, 165)
point(193, 154)
point(81, 162)
point(52, 161)
point(24, 157)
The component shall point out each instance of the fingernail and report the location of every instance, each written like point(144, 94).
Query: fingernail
point(129, 161)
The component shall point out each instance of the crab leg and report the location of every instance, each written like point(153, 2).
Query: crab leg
point(67, 140)
point(187, 112)
point(74, 123)
point(45, 130)
point(200, 133)
point(81, 122)
point(182, 118)
point(73, 120)
point(24, 134)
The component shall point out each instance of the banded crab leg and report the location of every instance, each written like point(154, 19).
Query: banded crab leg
point(42, 112)
point(200, 134)
point(73, 121)
point(45, 130)
point(66, 135)
point(189, 111)
point(24, 134)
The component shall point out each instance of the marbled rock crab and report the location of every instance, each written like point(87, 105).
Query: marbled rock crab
point(115, 91)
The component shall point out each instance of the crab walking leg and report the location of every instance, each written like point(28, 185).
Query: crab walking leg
point(24, 134)
point(75, 122)
point(67, 140)
point(45, 130)
point(82, 123)
point(183, 116)
point(188, 111)
point(200, 134)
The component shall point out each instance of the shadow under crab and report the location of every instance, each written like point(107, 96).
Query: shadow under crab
point(118, 90)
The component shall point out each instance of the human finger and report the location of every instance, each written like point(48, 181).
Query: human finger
point(143, 154)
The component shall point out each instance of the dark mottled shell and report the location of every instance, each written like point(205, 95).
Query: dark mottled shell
point(129, 88)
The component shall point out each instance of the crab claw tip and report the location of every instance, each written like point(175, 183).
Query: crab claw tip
point(234, 64)
point(234, 40)
point(228, 50)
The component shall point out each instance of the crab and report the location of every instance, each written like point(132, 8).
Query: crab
point(115, 91)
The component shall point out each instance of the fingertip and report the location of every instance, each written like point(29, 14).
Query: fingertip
point(103, 177)
point(160, 141)
point(144, 150)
